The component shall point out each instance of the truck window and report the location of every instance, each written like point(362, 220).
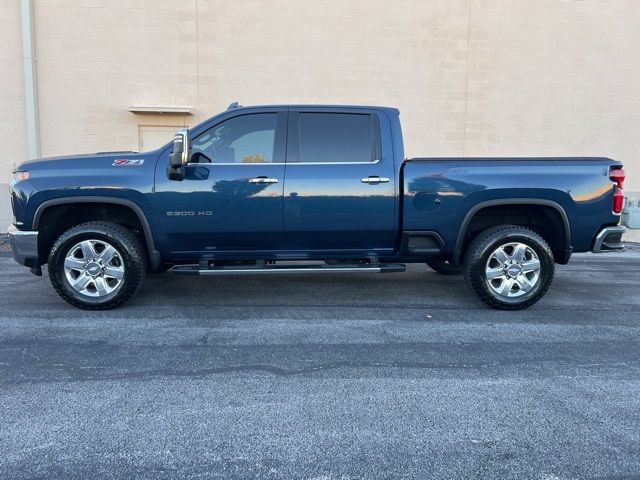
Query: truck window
point(336, 138)
point(243, 139)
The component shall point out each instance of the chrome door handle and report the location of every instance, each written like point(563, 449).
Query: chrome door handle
point(374, 180)
point(263, 180)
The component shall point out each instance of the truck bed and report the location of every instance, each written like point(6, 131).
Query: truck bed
point(441, 192)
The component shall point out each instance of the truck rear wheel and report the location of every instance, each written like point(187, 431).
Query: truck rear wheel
point(96, 265)
point(509, 267)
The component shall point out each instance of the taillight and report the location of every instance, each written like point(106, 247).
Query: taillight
point(618, 200)
point(617, 175)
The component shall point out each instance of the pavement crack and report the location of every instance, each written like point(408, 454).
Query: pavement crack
point(97, 373)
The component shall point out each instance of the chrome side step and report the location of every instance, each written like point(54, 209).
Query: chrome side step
point(276, 269)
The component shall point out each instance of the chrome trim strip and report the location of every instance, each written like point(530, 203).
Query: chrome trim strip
point(254, 271)
point(597, 244)
point(299, 254)
point(212, 164)
point(265, 270)
point(334, 163)
point(282, 163)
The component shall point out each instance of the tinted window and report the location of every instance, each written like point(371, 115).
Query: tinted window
point(243, 139)
point(335, 137)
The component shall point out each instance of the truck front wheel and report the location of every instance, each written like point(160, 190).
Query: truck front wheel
point(96, 265)
point(509, 267)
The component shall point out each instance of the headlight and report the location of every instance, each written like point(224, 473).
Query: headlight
point(20, 176)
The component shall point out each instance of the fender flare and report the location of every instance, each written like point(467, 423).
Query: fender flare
point(154, 256)
point(457, 252)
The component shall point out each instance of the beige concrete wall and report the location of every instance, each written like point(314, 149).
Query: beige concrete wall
point(96, 58)
point(555, 78)
point(471, 77)
point(13, 137)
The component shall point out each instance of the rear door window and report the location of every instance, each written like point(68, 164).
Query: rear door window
point(336, 138)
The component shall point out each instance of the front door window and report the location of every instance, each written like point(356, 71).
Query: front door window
point(243, 139)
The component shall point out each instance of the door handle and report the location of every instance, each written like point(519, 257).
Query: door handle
point(374, 180)
point(263, 180)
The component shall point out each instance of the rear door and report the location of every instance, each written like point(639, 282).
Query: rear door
point(339, 194)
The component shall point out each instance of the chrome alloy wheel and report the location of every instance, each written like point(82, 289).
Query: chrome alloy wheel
point(94, 268)
point(513, 269)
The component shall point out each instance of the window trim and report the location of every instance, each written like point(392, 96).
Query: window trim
point(190, 164)
point(293, 140)
point(317, 163)
point(279, 139)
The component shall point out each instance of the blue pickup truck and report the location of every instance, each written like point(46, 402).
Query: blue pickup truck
point(307, 189)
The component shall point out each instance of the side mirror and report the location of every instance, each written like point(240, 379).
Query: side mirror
point(179, 157)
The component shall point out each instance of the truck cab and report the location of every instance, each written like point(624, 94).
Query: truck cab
point(284, 182)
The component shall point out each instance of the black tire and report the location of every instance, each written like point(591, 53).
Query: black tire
point(480, 253)
point(444, 268)
point(131, 258)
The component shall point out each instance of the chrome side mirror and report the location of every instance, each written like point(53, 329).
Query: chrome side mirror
point(179, 157)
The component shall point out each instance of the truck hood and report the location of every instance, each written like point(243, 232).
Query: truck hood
point(65, 161)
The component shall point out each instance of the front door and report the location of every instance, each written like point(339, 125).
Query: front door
point(339, 193)
point(231, 197)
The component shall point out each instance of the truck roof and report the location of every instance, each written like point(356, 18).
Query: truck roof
point(393, 110)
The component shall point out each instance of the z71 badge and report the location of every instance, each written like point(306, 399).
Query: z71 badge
point(126, 162)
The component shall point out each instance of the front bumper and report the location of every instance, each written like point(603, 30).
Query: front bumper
point(609, 239)
point(24, 246)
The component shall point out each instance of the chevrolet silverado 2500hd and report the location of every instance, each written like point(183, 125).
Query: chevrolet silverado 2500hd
point(307, 189)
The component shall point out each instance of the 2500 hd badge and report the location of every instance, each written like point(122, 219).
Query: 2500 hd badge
point(190, 213)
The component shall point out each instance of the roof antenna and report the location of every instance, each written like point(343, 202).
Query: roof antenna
point(233, 105)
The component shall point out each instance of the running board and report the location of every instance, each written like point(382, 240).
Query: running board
point(275, 269)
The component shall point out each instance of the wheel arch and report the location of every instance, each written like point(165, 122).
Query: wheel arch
point(562, 257)
point(154, 256)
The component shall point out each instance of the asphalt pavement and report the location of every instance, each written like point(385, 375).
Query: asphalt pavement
point(324, 377)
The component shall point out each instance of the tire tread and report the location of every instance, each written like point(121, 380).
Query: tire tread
point(134, 249)
point(472, 265)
